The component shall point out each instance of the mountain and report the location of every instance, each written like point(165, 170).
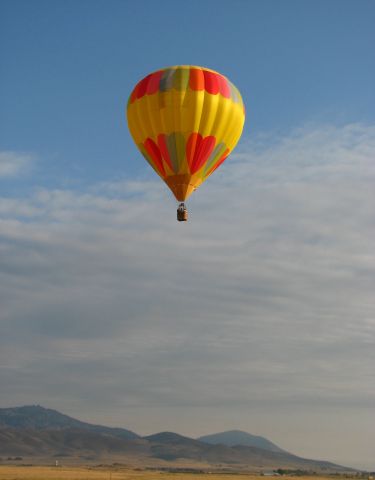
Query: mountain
point(237, 437)
point(68, 442)
point(170, 438)
point(40, 418)
point(42, 435)
point(172, 446)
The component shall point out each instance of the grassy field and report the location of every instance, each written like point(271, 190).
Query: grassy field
point(12, 472)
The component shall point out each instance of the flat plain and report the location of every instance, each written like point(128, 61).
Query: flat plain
point(12, 472)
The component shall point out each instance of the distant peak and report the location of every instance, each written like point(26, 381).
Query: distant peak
point(169, 437)
point(232, 438)
point(41, 418)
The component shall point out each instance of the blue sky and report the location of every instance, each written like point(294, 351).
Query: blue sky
point(257, 314)
point(68, 67)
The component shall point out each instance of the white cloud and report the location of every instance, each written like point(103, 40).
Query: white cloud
point(13, 163)
point(262, 303)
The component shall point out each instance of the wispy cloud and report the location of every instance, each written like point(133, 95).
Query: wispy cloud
point(263, 302)
point(14, 163)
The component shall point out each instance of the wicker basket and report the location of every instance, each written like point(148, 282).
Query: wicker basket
point(182, 213)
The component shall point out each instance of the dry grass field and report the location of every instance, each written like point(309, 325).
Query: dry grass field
point(12, 472)
point(87, 473)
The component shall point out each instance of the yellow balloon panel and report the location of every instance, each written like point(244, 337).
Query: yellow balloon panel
point(185, 120)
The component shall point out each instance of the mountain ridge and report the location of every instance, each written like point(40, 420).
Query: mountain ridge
point(41, 418)
point(232, 438)
point(39, 433)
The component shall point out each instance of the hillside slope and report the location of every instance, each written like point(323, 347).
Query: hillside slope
point(238, 437)
point(40, 418)
point(38, 433)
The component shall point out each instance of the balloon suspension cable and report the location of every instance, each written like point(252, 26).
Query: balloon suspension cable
point(182, 213)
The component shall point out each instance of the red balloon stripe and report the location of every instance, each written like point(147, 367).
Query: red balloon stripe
point(154, 152)
point(153, 83)
point(198, 150)
point(219, 162)
point(199, 80)
point(164, 150)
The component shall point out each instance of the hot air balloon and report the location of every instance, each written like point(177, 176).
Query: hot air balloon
point(185, 120)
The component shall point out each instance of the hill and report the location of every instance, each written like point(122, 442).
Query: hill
point(170, 438)
point(237, 437)
point(41, 435)
point(40, 418)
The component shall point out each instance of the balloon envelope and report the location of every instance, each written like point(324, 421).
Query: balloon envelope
point(185, 120)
